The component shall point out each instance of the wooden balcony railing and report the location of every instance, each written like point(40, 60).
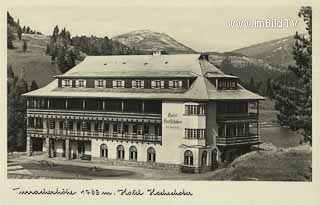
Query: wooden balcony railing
point(100, 135)
point(238, 140)
point(235, 116)
point(62, 114)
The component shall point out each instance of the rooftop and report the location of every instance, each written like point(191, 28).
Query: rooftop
point(147, 66)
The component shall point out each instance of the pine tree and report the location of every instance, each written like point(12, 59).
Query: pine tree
point(24, 46)
point(252, 85)
point(61, 59)
point(71, 60)
point(55, 33)
point(10, 73)
point(294, 101)
point(10, 38)
point(28, 29)
point(19, 32)
point(33, 86)
point(48, 49)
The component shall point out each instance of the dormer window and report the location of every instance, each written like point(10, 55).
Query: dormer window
point(81, 83)
point(226, 84)
point(118, 84)
point(157, 84)
point(175, 84)
point(99, 83)
point(66, 83)
point(137, 84)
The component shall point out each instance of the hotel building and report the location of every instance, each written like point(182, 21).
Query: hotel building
point(175, 112)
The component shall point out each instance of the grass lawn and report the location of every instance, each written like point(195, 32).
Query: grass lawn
point(292, 164)
point(36, 63)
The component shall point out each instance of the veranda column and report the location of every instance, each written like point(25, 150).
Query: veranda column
point(48, 146)
point(29, 146)
point(68, 149)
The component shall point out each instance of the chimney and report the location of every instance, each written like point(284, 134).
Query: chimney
point(204, 56)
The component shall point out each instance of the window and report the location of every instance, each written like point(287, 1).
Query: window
point(204, 158)
point(175, 84)
point(188, 158)
point(120, 152)
point(65, 125)
point(99, 83)
point(157, 130)
point(151, 154)
point(139, 130)
point(118, 84)
point(125, 128)
point(194, 133)
point(137, 84)
point(98, 127)
point(52, 124)
point(81, 83)
point(66, 83)
point(134, 129)
point(70, 125)
point(39, 123)
point(194, 109)
point(106, 127)
point(133, 154)
point(146, 129)
point(86, 126)
point(157, 84)
point(104, 151)
point(226, 84)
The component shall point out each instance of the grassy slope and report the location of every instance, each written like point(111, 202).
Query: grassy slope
point(292, 164)
point(37, 64)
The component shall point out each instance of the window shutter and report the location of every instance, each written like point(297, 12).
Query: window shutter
point(95, 83)
point(114, 83)
point(104, 82)
point(122, 83)
point(85, 83)
point(180, 83)
point(170, 84)
point(142, 84)
point(162, 83)
point(134, 84)
point(77, 83)
point(153, 84)
point(63, 83)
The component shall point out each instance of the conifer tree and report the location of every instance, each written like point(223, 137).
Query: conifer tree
point(19, 32)
point(33, 86)
point(24, 46)
point(295, 101)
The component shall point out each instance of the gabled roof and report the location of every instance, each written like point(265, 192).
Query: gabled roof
point(150, 66)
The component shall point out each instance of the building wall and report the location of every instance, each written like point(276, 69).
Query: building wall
point(112, 149)
point(173, 125)
point(211, 123)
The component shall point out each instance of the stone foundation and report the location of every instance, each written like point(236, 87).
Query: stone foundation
point(148, 165)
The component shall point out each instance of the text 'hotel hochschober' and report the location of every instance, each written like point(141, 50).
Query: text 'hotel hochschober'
point(174, 112)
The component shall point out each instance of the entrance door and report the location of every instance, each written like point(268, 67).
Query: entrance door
point(81, 148)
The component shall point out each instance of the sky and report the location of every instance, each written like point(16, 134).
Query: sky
point(201, 27)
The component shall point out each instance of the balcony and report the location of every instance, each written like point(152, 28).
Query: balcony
point(96, 115)
point(237, 117)
point(194, 142)
point(96, 135)
point(249, 139)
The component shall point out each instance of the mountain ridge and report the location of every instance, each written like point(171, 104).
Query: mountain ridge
point(149, 41)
